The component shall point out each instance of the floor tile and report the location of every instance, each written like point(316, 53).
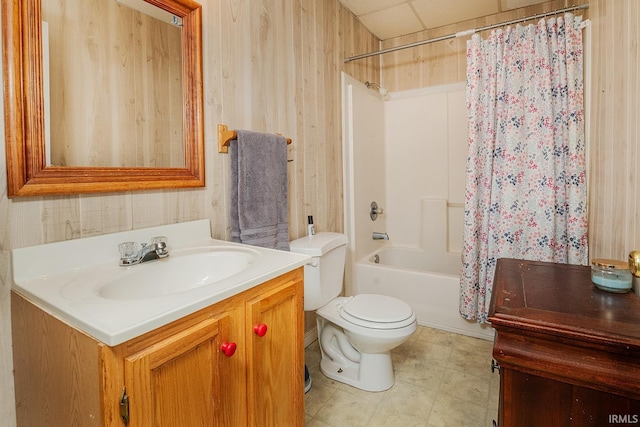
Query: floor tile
point(451, 412)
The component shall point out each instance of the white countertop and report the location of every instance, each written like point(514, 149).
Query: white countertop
point(63, 279)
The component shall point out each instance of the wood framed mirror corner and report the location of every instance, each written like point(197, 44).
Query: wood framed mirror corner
point(152, 137)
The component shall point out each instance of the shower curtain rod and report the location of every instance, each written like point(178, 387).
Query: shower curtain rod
point(465, 33)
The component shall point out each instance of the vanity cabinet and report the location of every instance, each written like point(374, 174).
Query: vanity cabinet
point(238, 362)
point(569, 353)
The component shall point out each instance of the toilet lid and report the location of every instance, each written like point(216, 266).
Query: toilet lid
point(377, 311)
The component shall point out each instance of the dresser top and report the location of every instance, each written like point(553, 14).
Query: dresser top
point(560, 299)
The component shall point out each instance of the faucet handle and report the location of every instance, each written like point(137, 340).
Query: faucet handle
point(129, 250)
point(159, 239)
point(374, 211)
point(161, 245)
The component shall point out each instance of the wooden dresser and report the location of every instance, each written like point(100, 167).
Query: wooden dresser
point(569, 353)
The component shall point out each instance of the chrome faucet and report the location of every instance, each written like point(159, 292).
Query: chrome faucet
point(132, 253)
point(380, 236)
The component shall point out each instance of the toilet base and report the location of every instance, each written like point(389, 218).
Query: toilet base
point(374, 372)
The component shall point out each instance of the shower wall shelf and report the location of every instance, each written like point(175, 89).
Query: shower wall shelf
point(225, 136)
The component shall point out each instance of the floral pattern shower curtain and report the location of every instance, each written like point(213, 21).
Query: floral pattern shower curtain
point(526, 193)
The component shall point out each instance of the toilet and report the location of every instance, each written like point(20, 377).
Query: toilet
point(356, 333)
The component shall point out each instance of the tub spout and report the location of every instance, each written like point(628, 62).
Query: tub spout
point(380, 236)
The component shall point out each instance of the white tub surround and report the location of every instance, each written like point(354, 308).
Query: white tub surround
point(67, 279)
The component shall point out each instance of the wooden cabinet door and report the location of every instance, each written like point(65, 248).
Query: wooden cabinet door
point(186, 379)
point(275, 379)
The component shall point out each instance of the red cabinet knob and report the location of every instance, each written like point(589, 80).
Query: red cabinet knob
point(260, 329)
point(228, 348)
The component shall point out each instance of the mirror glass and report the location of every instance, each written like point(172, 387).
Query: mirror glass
point(112, 75)
point(102, 95)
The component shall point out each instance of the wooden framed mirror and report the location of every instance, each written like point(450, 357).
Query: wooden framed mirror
point(30, 171)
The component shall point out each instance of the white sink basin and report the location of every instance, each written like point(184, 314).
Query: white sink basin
point(80, 281)
point(176, 273)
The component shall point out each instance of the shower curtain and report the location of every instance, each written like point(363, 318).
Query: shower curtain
point(526, 170)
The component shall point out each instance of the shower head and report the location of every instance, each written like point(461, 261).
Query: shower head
point(373, 85)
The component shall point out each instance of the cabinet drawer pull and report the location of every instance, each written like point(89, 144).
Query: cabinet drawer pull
point(260, 329)
point(228, 348)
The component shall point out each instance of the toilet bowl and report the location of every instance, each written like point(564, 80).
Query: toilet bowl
point(356, 350)
point(357, 333)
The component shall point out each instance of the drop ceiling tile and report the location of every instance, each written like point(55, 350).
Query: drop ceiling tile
point(363, 7)
point(393, 18)
point(392, 22)
point(436, 14)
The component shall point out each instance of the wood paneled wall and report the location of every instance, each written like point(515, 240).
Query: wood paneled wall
point(269, 65)
point(282, 74)
point(614, 215)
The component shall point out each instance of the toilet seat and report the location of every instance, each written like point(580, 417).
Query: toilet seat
point(377, 312)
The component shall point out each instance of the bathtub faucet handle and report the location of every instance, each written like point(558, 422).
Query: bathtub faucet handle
point(374, 211)
point(380, 236)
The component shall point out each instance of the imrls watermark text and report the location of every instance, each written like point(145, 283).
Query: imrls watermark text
point(624, 418)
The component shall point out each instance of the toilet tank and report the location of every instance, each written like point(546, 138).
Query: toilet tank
point(323, 278)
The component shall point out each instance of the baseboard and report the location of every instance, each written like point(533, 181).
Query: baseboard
point(476, 331)
point(310, 336)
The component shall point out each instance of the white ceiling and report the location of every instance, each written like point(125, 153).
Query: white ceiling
point(392, 18)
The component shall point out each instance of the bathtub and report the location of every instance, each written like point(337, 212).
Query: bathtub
point(430, 286)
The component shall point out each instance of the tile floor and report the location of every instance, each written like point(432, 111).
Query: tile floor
point(442, 379)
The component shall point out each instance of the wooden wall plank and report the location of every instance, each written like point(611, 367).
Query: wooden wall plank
point(614, 225)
